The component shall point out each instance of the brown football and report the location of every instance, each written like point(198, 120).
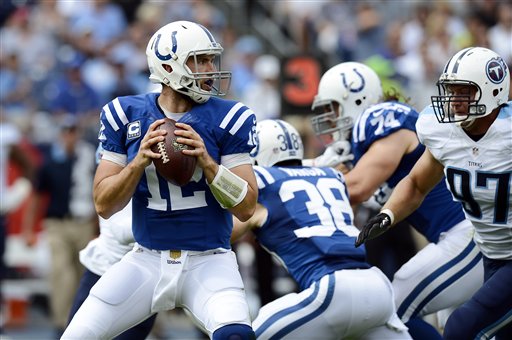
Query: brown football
point(174, 166)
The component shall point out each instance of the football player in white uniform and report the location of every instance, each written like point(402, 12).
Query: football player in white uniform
point(304, 219)
point(470, 143)
point(385, 147)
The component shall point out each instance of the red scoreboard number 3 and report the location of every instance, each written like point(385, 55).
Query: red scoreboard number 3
point(301, 76)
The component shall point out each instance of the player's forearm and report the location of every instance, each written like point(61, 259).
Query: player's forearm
point(358, 191)
point(362, 183)
point(406, 198)
point(113, 193)
point(245, 209)
point(235, 189)
point(210, 169)
point(255, 221)
point(412, 189)
point(239, 229)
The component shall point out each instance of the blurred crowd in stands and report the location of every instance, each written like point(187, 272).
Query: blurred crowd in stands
point(62, 58)
point(73, 56)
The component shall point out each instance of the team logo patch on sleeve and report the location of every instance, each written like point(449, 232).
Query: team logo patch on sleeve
point(101, 134)
point(133, 130)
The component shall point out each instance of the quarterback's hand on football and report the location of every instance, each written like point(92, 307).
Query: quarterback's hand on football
point(334, 154)
point(145, 156)
point(188, 136)
point(375, 226)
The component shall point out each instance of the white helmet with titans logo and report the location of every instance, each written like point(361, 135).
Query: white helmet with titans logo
point(473, 66)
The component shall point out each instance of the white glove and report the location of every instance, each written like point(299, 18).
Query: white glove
point(334, 154)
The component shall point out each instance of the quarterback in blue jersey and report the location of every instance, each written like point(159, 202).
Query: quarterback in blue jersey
point(383, 138)
point(182, 257)
point(467, 132)
point(304, 218)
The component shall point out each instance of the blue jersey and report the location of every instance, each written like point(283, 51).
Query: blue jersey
point(166, 216)
point(438, 212)
point(309, 226)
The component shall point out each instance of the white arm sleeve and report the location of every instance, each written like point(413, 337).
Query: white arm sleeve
point(114, 157)
point(231, 161)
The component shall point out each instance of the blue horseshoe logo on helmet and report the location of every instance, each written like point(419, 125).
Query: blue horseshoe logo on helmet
point(351, 89)
point(174, 46)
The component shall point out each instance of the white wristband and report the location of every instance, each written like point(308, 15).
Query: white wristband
point(228, 188)
point(390, 214)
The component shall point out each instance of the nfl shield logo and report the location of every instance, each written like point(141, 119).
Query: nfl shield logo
point(475, 151)
point(174, 254)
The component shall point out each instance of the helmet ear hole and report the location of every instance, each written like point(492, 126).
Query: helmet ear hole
point(167, 67)
point(495, 92)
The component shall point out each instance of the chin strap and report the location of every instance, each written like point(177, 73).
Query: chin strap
point(227, 188)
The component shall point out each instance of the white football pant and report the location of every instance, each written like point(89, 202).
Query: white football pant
point(354, 303)
point(207, 284)
point(441, 275)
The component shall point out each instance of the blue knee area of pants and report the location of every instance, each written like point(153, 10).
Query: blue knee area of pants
point(419, 329)
point(234, 332)
point(466, 323)
point(462, 324)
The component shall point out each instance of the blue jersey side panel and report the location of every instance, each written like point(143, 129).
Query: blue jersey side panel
point(309, 226)
point(438, 212)
point(166, 216)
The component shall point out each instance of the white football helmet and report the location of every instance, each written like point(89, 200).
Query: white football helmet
point(278, 141)
point(472, 66)
point(354, 87)
point(173, 45)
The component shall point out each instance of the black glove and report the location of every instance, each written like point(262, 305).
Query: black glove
point(375, 226)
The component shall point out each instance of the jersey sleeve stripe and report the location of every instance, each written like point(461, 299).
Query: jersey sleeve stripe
point(230, 115)
point(264, 175)
point(240, 121)
point(110, 118)
point(259, 181)
point(120, 112)
point(361, 136)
